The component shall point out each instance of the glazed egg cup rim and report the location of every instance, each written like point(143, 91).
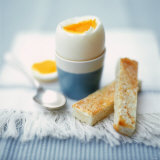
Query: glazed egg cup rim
point(82, 61)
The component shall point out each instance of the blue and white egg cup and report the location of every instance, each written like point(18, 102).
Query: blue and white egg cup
point(79, 78)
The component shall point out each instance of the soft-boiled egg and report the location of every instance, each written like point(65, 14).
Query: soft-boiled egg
point(80, 38)
point(45, 70)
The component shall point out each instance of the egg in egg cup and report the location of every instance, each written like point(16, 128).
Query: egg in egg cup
point(80, 53)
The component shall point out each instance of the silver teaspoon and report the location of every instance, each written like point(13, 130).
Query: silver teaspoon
point(47, 98)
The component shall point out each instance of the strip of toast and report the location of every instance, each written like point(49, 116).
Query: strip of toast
point(125, 97)
point(96, 106)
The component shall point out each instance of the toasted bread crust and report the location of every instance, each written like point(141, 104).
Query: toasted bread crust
point(97, 103)
point(125, 99)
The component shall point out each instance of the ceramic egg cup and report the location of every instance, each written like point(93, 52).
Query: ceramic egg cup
point(78, 79)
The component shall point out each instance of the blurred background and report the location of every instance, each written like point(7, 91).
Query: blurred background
point(44, 15)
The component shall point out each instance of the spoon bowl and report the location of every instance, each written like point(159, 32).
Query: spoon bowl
point(49, 99)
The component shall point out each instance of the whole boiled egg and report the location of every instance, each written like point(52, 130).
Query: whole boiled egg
point(45, 70)
point(80, 38)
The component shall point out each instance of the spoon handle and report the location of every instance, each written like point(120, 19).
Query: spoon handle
point(12, 59)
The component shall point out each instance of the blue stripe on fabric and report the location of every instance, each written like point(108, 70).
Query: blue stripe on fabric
point(97, 150)
point(50, 148)
point(88, 153)
point(55, 151)
point(112, 154)
point(26, 150)
point(35, 144)
point(156, 153)
point(6, 148)
point(134, 156)
point(119, 151)
point(106, 151)
point(80, 151)
point(127, 151)
point(151, 151)
point(42, 148)
point(141, 150)
point(60, 149)
point(35, 150)
point(40, 151)
point(68, 151)
point(2, 146)
point(16, 150)
point(137, 150)
point(101, 150)
point(92, 151)
point(115, 152)
point(67, 154)
point(122, 153)
point(77, 150)
point(9, 148)
point(144, 151)
point(64, 148)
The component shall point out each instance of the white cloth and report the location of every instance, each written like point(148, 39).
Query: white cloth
point(16, 91)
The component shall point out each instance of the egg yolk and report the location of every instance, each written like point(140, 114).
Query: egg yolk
point(81, 27)
point(45, 67)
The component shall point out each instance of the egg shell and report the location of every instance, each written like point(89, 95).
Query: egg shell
point(80, 47)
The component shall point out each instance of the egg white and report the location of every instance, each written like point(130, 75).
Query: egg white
point(44, 77)
point(80, 47)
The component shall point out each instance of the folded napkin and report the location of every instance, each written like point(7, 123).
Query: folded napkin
point(20, 115)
